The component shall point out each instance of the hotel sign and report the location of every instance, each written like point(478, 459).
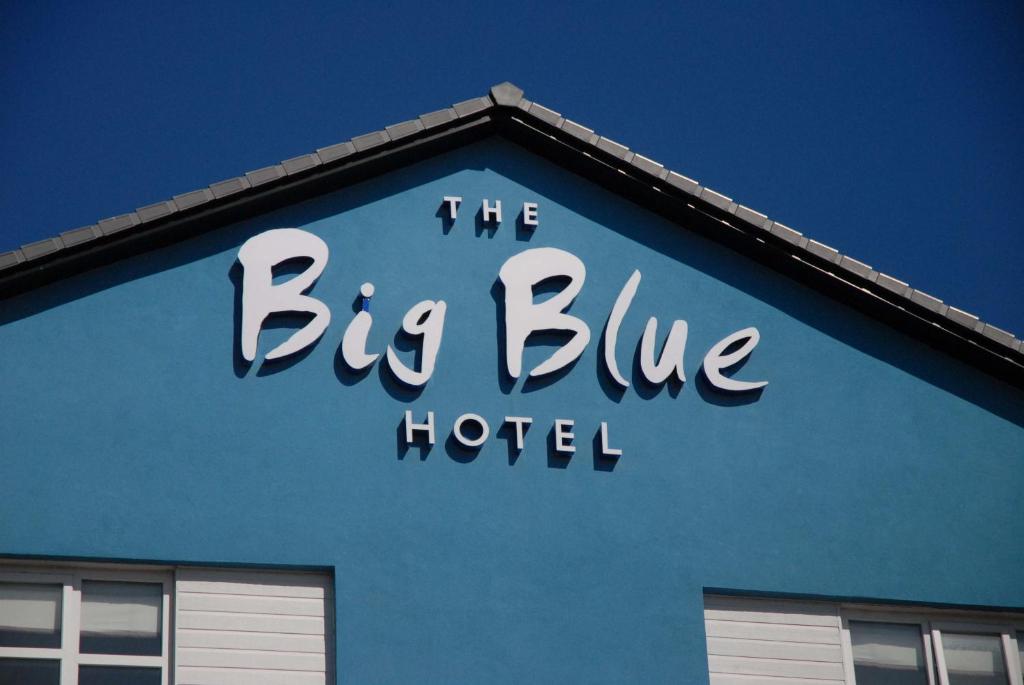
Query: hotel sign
point(523, 317)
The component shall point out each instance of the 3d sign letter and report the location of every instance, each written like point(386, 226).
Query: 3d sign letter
point(519, 275)
point(261, 298)
point(353, 343)
point(611, 330)
point(530, 215)
point(671, 354)
point(716, 360)
point(427, 319)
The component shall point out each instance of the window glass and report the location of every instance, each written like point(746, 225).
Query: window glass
point(29, 671)
point(30, 615)
point(887, 654)
point(118, 675)
point(121, 618)
point(974, 659)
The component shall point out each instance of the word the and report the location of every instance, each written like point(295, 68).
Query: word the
point(491, 214)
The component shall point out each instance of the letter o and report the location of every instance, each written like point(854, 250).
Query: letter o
point(467, 442)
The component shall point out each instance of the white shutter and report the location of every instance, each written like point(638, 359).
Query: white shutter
point(772, 642)
point(244, 627)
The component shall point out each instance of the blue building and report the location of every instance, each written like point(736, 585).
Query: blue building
point(484, 397)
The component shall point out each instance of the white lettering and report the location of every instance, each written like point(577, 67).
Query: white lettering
point(530, 215)
point(491, 214)
point(261, 298)
point(471, 442)
point(453, 206)
point(671, 353)
point(427, 319)
point(521, 423)
point(411, 427)
point(611, 330)
point(716, 360)
point(605, 449)
point(353, 343)
point(564, 436)
point(519, 275)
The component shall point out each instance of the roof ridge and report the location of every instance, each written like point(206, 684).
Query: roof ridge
point(505, 96)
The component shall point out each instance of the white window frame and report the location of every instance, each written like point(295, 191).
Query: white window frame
point(932, 624)
point(883, 616)
point(68, 653)
point(1004, 630)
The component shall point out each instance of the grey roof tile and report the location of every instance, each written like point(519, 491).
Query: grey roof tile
point(682, 182)
point(787, 234)
point(997, 334)
point(370, 140)
point(230, 186)
point(524, 104)
point(80, 235)
point(892, 284)
point(613, 148)
point(927, 301)
point(961, 317)
point(1018, 344)
point(546, 115)
point(193, 199)
point(750, 216)
point(506, 94)
point(116, 224)
point(441, 116)
point(578, 131)
point(299, 164)
point(155, 211)
point(9, 259)
point(822, 250)
point(716, 199)
point(334, 152)
point(649, 165)
point(265, 175)
point(854, 266)
point(406, 128)
point(41, 248)
point(469, 107)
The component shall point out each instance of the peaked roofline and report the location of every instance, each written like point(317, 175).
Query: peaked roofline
point(506, 112)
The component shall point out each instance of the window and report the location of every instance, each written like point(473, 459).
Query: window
point(890, 653)
point(798, 642)
point(931, 648)
point(84, 627)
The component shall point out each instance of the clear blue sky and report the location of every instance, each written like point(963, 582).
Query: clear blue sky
point(890, 130)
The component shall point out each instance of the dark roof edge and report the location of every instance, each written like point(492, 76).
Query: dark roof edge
point(39, 262)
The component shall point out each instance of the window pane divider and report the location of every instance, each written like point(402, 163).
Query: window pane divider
point(846, 644)
point(69, 631)
point(929, 652)
point(119, 660)
point(31, 653)
point(1012, 656)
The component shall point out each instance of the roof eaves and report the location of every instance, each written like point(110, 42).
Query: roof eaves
point(843, 266)
point(251, 181)
point(508, 97)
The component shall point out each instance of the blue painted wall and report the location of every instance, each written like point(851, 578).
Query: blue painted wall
point(871, 466)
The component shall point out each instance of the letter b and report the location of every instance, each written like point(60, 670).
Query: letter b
point(519, 275)
point(261, 298)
